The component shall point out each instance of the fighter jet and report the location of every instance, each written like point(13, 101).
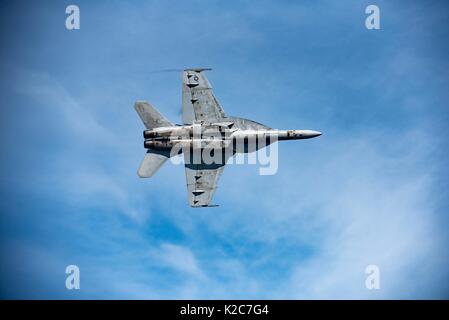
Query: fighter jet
point(205, 127)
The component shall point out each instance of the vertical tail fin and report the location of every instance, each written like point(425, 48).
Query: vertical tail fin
point(150, 116)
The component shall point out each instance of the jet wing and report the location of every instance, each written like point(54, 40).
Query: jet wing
point(201, 184)
point(198, 101)
point(202, 181)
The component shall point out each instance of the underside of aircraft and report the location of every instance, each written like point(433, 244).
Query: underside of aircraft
point(206, 130)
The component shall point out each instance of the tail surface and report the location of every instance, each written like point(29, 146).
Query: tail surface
point(150, 116)
point(152, 161)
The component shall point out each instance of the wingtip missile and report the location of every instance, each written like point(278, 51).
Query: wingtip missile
point(198, 69)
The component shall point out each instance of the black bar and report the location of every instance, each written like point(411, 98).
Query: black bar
point(226, 309)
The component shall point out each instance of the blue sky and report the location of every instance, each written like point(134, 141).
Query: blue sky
point(372, 190)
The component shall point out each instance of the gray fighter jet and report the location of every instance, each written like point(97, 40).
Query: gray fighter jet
point(205, 128)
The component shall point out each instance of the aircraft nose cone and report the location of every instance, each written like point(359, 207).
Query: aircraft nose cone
point(311, 133)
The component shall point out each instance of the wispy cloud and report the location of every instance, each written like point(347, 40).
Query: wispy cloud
point(179, 258)
point(76, 171)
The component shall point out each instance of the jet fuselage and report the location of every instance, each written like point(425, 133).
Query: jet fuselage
point(221, 135)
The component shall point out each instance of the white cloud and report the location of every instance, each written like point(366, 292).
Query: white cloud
point(180, 259)
point(78, 172)
point(49, 93)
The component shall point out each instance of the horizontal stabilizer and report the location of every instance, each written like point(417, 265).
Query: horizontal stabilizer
point(152, 161)
point(150, 116)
